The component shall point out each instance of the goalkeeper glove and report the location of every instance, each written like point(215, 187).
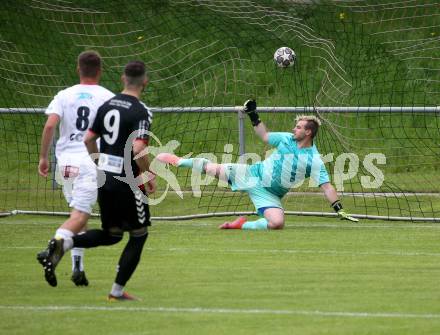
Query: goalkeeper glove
point(250, 108)
point(345, 216)
point(337, 206)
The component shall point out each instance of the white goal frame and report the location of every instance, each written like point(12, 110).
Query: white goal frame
point(241, 136)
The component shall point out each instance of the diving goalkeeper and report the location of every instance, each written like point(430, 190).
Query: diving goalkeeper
point(295, 158)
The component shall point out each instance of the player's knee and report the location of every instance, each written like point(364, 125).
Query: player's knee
point(277, 223)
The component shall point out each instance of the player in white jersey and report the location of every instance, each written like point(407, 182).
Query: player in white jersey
point(74, 110)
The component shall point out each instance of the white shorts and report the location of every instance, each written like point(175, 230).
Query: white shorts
point(77, 174)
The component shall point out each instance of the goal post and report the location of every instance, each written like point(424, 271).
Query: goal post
point(211, 191)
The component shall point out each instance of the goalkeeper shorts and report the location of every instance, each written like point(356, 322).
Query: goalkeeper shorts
point(76, 172)
point(242, 178)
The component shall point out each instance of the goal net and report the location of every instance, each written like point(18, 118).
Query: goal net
point(355, 60)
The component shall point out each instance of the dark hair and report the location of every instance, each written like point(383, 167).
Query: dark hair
point(89, 63)
point(135, 73)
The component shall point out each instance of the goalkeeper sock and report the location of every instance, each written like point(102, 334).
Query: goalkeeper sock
point(197, 164)
point(260, 224)
point(185, 162)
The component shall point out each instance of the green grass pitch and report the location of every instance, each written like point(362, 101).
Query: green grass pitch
point(318, 276)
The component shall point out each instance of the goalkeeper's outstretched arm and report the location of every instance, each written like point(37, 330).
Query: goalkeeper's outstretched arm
point(142, 161)
point(250, 108)
point(335, 203)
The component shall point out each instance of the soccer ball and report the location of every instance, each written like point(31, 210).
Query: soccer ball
point(284, 57)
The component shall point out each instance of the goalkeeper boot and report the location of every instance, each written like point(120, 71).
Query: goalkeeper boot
point(124, 297)
point(79, 277)
point(236, 224)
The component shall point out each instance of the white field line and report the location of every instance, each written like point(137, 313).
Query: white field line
point(262, 251)
point(202, 310)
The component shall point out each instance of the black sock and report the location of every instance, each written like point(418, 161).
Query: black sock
point(130, 258)
point(94, 238)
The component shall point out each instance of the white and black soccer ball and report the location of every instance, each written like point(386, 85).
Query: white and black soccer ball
point(284, 57)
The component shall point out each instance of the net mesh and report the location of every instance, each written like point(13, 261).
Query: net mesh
point(219, 53)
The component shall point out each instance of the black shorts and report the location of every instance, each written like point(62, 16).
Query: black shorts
point(123, 209)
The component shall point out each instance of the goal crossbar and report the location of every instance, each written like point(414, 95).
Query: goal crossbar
point(263, 109)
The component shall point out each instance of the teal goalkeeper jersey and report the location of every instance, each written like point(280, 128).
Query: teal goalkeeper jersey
point(288, 166)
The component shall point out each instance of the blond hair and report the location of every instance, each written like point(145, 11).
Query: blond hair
point(312, 124)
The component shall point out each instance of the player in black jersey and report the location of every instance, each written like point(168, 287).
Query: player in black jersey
point(122, 123)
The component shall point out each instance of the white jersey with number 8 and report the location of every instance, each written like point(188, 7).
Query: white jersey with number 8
point(76, 107)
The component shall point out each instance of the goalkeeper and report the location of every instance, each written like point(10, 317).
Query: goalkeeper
point(266, 182)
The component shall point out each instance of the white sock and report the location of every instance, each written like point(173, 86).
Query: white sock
point(68, 244)
point(63, 233)
point(77, 258)
point(117, 290)
point(66, 235)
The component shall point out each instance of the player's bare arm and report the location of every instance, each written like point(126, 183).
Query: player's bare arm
point(262, 132)
point(91, 145)
point(46, 142)
point(332, 197)
point(144, 164)
point(329, 192)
